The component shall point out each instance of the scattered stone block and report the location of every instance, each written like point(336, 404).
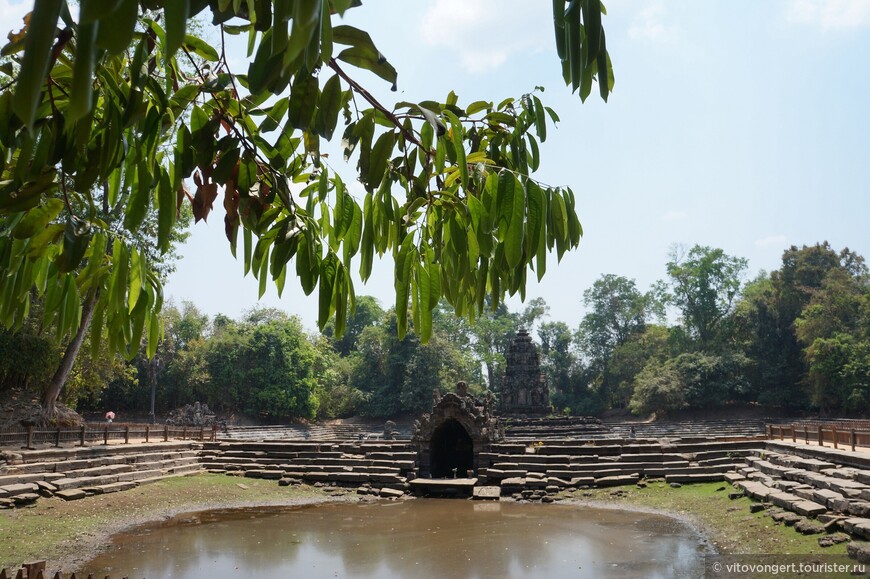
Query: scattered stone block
point(244, 487)
point(857, 526)
point(486, 493)
point(25, 499)
point(391, 493)
point(71, 494)
point(808, 508)
point(19, 489)
point(859, 550)
point(808, 527)
point(733, 477)
point(758, 507)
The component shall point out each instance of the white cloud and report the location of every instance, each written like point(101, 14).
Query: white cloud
point(486, 33)
point(830, 14)
point(772, 241)
point(675, 215)
point(648, 24)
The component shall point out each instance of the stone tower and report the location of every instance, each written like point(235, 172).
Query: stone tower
point(524, 388)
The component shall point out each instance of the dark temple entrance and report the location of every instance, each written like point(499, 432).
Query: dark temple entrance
point(452, 451)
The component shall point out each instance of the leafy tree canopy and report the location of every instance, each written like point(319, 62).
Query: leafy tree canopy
point(125, 100)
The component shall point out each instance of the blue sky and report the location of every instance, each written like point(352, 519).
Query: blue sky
point(736, 124)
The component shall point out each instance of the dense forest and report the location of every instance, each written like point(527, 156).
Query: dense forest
point(797, 337)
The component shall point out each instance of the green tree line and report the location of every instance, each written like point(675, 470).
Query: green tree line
point(797, 337)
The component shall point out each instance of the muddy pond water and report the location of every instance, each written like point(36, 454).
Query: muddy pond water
point(415, 538)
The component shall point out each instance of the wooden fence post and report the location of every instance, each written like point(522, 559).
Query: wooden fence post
point(147, 433)
point(821, 440)
point(852, 438)
point(106, 434)
point(127, 434)
point(835, 435)
point(781, 429)
point(166, 433)
point(201, 433)
point(184, 433)
point(57, 437)
point(793, 435)
point(806, 435)
point(29, 444)
point(82, 439)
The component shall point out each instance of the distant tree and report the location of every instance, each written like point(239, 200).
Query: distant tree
point(705, 283)
point(835, 331)
point(567, 378)
point(367, 313)
point(766, 315)
point(617, 310)
point(653, 344)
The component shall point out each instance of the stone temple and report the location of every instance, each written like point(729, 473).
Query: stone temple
point(449, 440)
point(524, 388)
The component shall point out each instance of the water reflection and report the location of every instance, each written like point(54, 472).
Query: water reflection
point(420, 538)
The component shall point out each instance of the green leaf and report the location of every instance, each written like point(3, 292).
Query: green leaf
point(176, 13)
point(367, 244)
point(330, 106)
point(516, 228)
point(592, 24)
point(166, 211)
point(537, 215)
point(458, 147)
point(36, 60)
point(275, 115)
point(137, 278)
point(380, 154)
point(140, 199)
point(94, 10)
point(116, 32)
point(477, 106)
point(303, 100)
point(76, 238)
point(326, 304)
point(82, 91)
point(201, 48)
point(37, 218)
point(263, 275)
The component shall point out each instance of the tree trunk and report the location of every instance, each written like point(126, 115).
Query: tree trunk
point(49, 397)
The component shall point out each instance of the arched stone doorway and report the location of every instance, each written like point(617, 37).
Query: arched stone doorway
point(451, 451)
point(453, 435)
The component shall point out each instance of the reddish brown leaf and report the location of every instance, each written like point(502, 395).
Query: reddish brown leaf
point(231, 204)
point(203, 201)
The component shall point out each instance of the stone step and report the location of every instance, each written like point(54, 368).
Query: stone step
point(112, 469)
point(616, 480)
point(79, 482)
point(754, 489)
point(167, 476)
point(18, 489)
point(694, 477)
point(28, 478)
point(768, 467)
point(111, 488)
point(857, 526)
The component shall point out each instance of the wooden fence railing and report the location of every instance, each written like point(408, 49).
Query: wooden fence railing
point(37, 571)
point(30, 436)
point(837, 433)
